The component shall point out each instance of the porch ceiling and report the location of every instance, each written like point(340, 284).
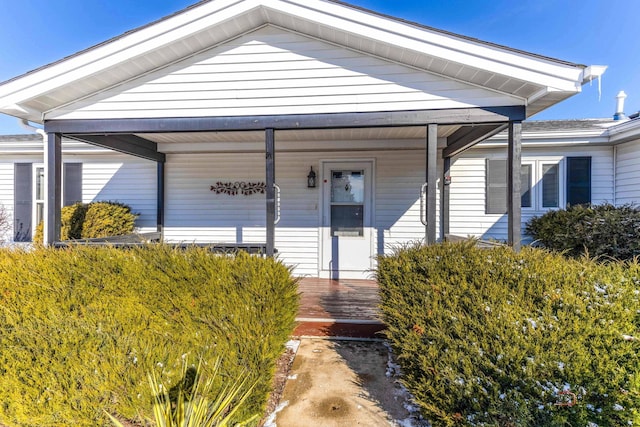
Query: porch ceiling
point(356, 134)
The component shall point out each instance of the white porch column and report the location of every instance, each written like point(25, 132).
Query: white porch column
point(431, 179)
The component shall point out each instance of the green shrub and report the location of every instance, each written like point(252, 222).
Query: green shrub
point(80, 328)
point(104, 219)
point(89, 220)
point(188, 404)
point(603, 230)
point(488, 337)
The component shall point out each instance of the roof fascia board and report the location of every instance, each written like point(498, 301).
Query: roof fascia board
point(624, 132)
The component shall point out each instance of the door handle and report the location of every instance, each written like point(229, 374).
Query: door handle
point(423, 203)
point(277, 220)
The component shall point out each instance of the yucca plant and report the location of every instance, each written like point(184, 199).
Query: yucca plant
point(188, 404)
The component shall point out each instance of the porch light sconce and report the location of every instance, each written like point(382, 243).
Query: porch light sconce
point(311, 179)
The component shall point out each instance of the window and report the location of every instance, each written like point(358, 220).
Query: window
point(496, 182)
point(544, 184)
point(578, 180)
point(72, 180)
point(550, 185)
point(38, 195)
point(29, 195)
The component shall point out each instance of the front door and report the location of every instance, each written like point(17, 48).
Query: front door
point(347, 243)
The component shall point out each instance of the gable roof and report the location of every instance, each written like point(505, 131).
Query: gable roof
point(538, 81)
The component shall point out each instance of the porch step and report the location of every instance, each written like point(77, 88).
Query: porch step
point(344, 328)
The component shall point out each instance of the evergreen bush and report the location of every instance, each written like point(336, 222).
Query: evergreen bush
point(89, 220)
point(599, 231)
point(104, 219)
point(488, 337)
point(82, 327)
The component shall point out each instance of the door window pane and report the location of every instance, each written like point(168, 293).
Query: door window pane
point(347, 203)
point(347, 220)
point(347, 187)
point(550, 186)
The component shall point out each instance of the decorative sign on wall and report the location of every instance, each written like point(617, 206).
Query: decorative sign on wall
point(235, 188)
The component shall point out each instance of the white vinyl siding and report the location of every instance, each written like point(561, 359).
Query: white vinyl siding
point(196, 214)
point(628, 173)
point(468, 187)
point(6, 196)
point(124, 179)
point(273, 71)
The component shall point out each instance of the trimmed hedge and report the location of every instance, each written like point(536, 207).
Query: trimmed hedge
point(488, 337)
point(91, 220)
point(598, 231)
point(80, 328)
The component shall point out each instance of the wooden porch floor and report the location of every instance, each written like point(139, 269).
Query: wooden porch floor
point(346, 308)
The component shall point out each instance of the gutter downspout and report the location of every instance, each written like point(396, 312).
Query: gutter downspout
point(25, 125)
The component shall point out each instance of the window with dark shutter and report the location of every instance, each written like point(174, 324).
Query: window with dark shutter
point(578, 180)
point(496, 186)
point(23, 202)
point(72, 179)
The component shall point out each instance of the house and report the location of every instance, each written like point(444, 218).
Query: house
point(211, 121)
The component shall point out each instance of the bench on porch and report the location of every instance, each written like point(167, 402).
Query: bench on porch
point(139, 239)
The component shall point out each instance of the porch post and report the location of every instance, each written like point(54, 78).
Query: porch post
point(432, 178)
point(514, 210)
point(160, 200)
point(270, 190)
point(445, 198)
point(53, 178)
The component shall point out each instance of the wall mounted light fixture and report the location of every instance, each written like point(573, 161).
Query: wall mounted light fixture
point(311, 179)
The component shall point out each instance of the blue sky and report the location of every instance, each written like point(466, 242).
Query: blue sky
point(590, 32)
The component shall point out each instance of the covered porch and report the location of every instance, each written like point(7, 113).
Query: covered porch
point(429, 138)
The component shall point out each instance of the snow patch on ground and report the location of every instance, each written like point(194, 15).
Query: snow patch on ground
point(414, 419)
point(271, 420)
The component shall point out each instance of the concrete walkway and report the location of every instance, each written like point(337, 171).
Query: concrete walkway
point(343, 383)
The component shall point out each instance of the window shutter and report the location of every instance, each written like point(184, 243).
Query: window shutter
point(496, 181)
point(72, 192)
point(578, 180)
point(23, 202)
